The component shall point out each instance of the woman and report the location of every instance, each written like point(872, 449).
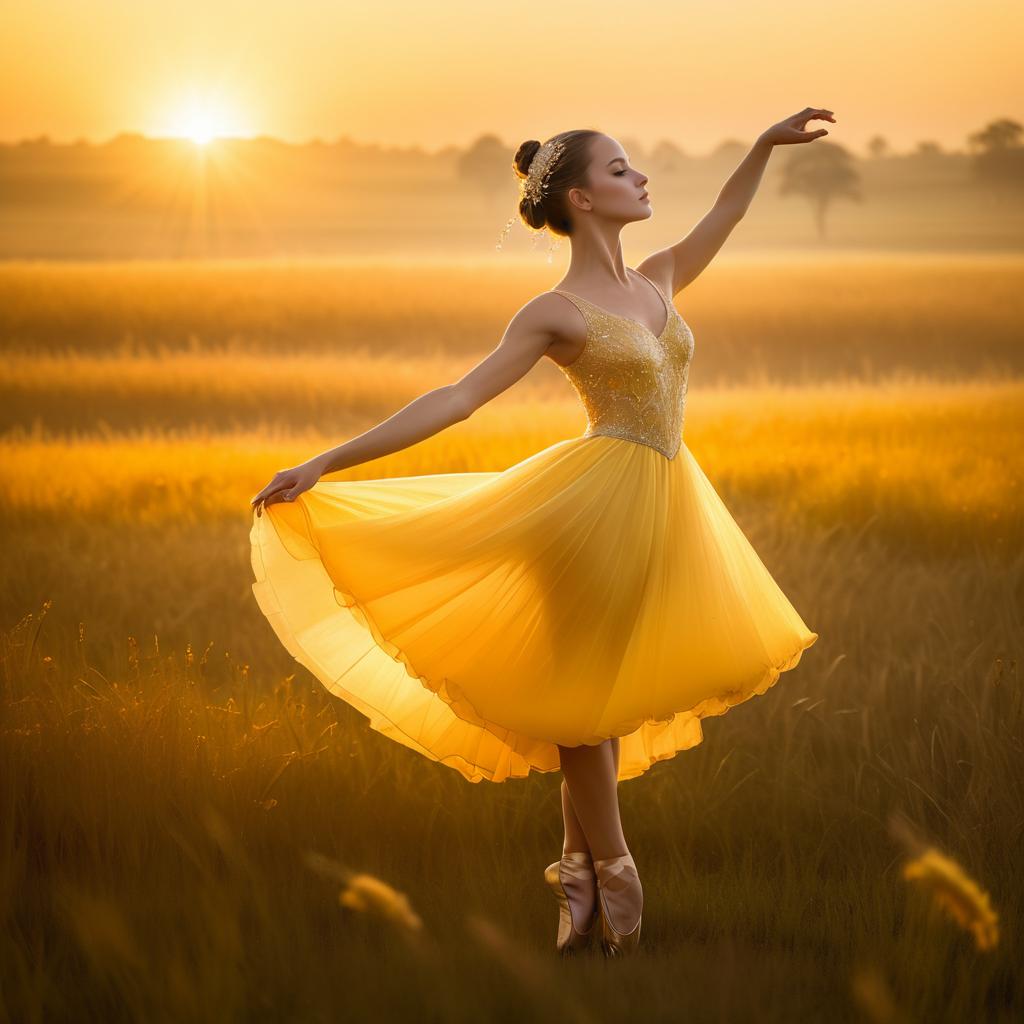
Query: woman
point(584, 609)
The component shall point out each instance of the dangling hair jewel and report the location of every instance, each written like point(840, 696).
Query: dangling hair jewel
point(534, 188)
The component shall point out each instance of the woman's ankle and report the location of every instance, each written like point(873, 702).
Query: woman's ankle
point(567, 851)
point(610, 856)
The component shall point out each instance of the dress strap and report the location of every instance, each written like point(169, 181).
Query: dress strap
point(585, 308)
point(658, 289)
point(577, 300)
point(585, 304)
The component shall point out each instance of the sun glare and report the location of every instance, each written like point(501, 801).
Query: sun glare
point(203, 121)
point(201, 130)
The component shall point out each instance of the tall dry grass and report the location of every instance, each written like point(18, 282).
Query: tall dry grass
point(933, 465)
point(793, 319)
point(161, 804)
point(191, 828)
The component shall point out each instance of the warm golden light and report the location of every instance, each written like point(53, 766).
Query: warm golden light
point(203, 119)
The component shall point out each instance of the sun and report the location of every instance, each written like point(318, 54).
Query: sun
point(201, 129)
point(202, 120)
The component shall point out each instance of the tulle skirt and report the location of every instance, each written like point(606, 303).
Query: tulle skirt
point(595, 589)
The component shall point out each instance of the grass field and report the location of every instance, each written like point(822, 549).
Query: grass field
point(182, 804)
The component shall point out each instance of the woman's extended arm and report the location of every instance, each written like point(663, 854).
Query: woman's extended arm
point(526, 339)
point(682, 262)
point(738, 192)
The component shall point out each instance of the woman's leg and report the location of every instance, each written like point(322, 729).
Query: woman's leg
point(575, 840)
point(591, 774)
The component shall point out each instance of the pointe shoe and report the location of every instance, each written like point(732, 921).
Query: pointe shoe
point(613, 942)
point(579, 867)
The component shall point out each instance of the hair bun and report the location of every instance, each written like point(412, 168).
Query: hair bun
point(524, 157)
point(547, 205)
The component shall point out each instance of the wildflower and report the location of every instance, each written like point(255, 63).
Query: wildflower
point(367, 893)
point(956, 894)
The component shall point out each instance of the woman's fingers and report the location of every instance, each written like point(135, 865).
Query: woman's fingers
point(799, 123)
point(813, 114)
point(264, 502)
point(280, 485)
point(277, 496)
point(287, 485)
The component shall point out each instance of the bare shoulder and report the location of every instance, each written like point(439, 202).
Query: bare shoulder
point(554, 319)
point(660, 268)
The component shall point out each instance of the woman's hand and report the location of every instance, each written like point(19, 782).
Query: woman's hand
point(288, 484)
point(792, 128)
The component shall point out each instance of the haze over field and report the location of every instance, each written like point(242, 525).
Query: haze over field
point(324, 129)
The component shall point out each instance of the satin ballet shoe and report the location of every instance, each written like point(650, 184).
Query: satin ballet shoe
point(613, 942)
point(577, 868)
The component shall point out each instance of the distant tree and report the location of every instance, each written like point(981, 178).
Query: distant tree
point(486, 167)
point(998, 156)
point(729, 150)
point(634, 149)
point(928, 148)
point(127, 140)
point(1001, 134)
point(878, 147)
point(666, 156)
point(822, 173)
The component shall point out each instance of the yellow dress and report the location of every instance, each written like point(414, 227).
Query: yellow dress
point(598, 588)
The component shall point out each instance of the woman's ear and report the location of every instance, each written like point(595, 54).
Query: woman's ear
point(578, 198)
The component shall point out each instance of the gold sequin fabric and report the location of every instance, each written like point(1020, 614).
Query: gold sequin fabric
point(633, 383)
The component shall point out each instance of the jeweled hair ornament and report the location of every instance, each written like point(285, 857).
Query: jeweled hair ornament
point(534, 187)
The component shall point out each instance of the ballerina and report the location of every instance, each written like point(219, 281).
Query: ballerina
point(581, 611)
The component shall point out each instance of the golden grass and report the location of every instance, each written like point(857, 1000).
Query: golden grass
point(191, 828)
point(820, 316)
point(176, 390)
point(929, 464)
point(178, 840)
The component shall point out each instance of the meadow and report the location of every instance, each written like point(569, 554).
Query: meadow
point(193, 829)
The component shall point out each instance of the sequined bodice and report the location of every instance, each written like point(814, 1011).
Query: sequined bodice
point(631, 382)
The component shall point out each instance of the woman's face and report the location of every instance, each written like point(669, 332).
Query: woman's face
point(615, 188)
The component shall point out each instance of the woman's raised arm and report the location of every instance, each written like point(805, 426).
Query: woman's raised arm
point(679, 264)
point(526, 339)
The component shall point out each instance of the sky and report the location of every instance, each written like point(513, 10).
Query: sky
point(443, 73)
